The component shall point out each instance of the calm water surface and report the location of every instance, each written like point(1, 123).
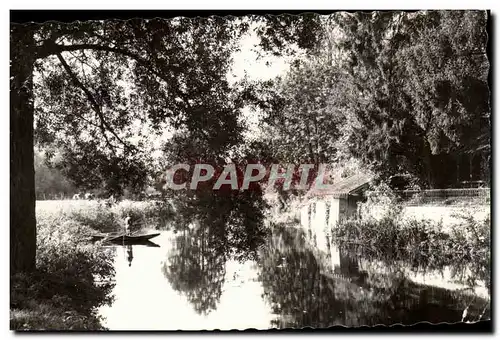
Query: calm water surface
point(146, 300)
point(189, 282)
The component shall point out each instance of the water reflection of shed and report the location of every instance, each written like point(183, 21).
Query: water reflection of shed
point(323, 208)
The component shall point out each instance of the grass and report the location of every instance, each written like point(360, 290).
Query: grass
point(47, 317)
point(74, 276)
point(98, 216)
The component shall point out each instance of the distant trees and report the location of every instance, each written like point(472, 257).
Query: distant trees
point(49, 182)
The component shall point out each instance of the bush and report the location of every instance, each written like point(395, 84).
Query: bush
point(73, 279)
point(381, 201)
point(421, 243)
point(391, 235)
point(47, 317)
point(96, 216)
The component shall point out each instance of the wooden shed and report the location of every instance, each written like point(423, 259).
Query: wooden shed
point(323, 208)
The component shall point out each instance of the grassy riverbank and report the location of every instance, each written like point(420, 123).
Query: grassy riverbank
point(421, 243)
point(74, 276)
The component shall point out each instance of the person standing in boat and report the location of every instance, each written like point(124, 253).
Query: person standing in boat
point(127, 225)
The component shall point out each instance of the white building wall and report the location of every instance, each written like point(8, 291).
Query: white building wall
point(319, 225)
point(334, 212)
point(304, 217)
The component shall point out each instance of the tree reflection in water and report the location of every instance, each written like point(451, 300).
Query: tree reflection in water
point(303, 292)
point(195, 270)
point(213, 227)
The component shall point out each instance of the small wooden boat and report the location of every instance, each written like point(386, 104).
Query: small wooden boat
point(132, 238)
point(122, 237)
point(102, 236)
point(142, 243)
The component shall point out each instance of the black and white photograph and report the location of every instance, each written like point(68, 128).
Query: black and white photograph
point(250, 170)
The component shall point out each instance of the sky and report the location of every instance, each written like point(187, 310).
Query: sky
point(267, 67)
point(245, 60)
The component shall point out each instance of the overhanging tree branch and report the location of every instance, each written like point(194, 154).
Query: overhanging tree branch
point(104, 126)
point(83, 62)
point(50, 48)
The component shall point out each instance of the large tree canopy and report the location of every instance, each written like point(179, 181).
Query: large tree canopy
point(95, 81)
point(105, 87)
point(416, 81)
point(97, 90)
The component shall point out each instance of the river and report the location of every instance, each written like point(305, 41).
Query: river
point(190, 280)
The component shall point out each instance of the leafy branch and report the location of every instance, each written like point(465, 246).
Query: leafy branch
point(104, 125)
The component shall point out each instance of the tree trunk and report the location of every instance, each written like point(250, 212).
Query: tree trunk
point(22, 173)
point(427, 155)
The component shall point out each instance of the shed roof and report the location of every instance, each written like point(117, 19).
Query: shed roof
point(348, 186)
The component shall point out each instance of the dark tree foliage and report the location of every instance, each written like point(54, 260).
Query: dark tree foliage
point(406, 93)
point(303, 118)
point(280, 34)
point(421, 88)
point(119, 81)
